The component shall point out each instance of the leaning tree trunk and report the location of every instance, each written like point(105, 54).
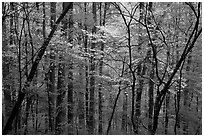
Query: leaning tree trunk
point(41, 52)
point(116, 100)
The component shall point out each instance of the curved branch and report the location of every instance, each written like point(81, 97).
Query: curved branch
point(192, 8)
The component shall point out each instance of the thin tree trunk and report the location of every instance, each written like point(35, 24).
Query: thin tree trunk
point(167, 113)
point(45, 60)
point(186, 97)
point(51, 73)
point(70, 77)
point(141, 71)
point(36, 76)
point(92, 77)
point(86, 70)
point(100, 112)
point(81, 103)
point(61, 112)
point(102, 23)
point(81, 94)
point(178, 94)
point(125, 112)
point(151, 99)
point(151, 84)
point(26, 73)
point(61, 86)
point(6, 71)
point(115, 103)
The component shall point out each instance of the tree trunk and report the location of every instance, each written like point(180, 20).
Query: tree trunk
point(6, 71)
point(70, 76)
point(61, 111)
point(45, 69)
point(61, 87)
point(51, 73)
point(178, 93)
point(100, 112)
point(102, 23)
point(92, 77)
point(81, 93)
point(186, 97)
point(141, 71)
point(151, 96)
point(125, 112)
point(167, 112)
point(27, 99)
point(86, 69)
point(115, 102)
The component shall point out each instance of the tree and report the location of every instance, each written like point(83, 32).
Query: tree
point(100, 99)
point(92, 77)
point(70, 76)
point(86, 69)
point(61, 86)
point(51, 73)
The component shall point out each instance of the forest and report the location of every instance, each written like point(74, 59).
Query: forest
point(101, 68)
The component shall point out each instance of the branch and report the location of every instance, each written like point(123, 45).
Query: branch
point(154, 51)
point(192, 8)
